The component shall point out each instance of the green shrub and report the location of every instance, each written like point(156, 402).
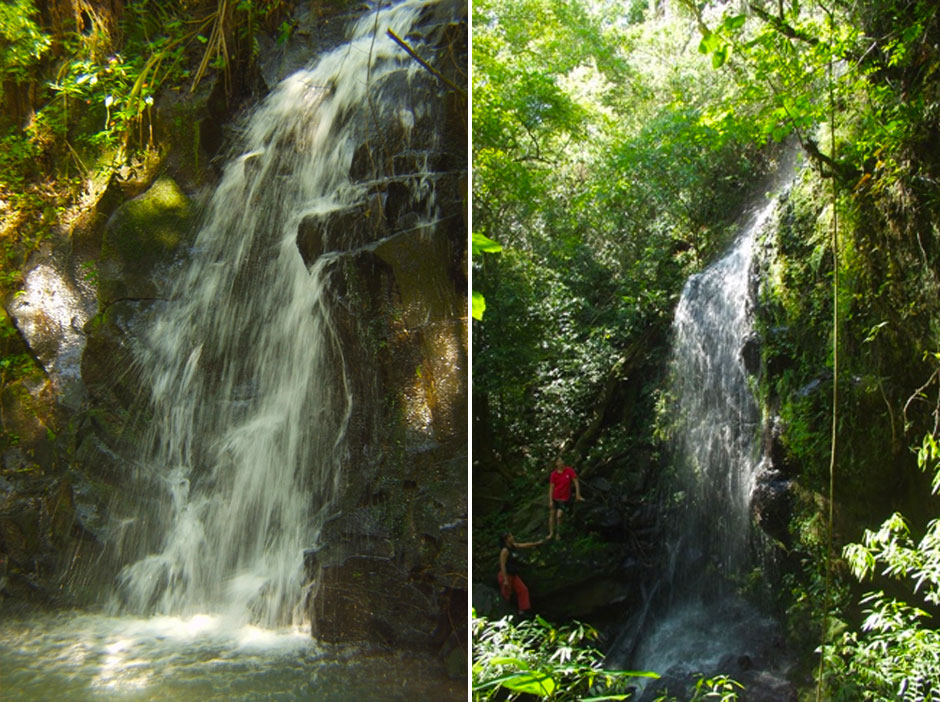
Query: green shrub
point(894, 655)
point(537, 658)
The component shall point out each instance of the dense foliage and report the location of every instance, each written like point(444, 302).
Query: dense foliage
point(604, 170)
point(613, 147)
point(532, 657)
point(79, 83)
point(894, 654)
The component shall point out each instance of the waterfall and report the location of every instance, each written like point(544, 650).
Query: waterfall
point(716, 422)
point(716, 446)
point(698, 623)
point(247, 440)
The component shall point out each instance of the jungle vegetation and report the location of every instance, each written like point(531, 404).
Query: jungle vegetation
point(614, 145)
point(89, 92)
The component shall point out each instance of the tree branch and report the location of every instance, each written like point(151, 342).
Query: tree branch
point(781, 26)
point(437, 74)
point(830, 168)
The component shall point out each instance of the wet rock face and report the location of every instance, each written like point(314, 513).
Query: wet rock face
point(751, 354)
point(771, 505)
point(393, 570)
point(39, 533)
point(772, 496)
point(50, 312)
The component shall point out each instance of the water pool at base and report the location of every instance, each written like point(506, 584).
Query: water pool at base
point(82, 657)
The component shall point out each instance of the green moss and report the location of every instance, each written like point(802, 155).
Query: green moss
point(150, 225)
point(142, 234)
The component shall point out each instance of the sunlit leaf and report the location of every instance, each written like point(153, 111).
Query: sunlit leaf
point(482, 244)
point(532, 683)
point(735, 22)
point(477, 305)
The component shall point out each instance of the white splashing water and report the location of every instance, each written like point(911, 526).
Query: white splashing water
point(716, 453)
point(251, 395)
point(717, 441)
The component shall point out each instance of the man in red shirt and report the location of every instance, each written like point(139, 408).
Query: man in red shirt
point(559, 494)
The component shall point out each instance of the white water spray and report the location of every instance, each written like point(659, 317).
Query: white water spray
point(251, 392)
point(717, 442)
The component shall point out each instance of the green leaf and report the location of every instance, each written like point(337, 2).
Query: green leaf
point(719, 57)
point(735, 22)
point(540, 684)
point(505, 660)
point(710, 42)
point(478, 306)
point(482, 244)
point(637, 674)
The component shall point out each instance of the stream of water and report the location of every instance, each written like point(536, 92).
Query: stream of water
point(246, 435)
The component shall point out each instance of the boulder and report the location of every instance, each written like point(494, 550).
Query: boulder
point(108, 365)
point(771, 504)
point(142, 236)
point(50, 311)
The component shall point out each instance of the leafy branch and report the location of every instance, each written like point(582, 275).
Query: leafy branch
point(534, 657)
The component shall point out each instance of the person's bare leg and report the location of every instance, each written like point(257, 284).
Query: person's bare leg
point(558, 514)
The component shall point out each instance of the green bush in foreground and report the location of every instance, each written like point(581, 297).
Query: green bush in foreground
point(534, 657)
point(895, 655)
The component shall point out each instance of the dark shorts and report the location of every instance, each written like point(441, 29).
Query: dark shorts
point(562, 504)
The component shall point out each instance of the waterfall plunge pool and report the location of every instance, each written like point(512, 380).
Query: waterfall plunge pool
point(86, 657)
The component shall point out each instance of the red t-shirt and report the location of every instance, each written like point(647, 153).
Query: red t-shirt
point(561, 483)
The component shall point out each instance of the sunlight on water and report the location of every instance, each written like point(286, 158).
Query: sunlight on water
point(87, 657)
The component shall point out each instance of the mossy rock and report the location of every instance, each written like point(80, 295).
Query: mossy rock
point(29, 419)
point(143, 234)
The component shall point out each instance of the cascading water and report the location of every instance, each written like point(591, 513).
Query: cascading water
point(716, 443)
point(250, 390)
point(698, 624)
point(251, 398)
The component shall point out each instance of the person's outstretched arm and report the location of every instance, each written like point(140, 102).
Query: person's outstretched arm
point(530, 544)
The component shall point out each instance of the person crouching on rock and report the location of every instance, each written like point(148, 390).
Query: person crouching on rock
point(509, 567)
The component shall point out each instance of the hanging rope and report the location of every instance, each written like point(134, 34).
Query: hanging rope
point(835, 370)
